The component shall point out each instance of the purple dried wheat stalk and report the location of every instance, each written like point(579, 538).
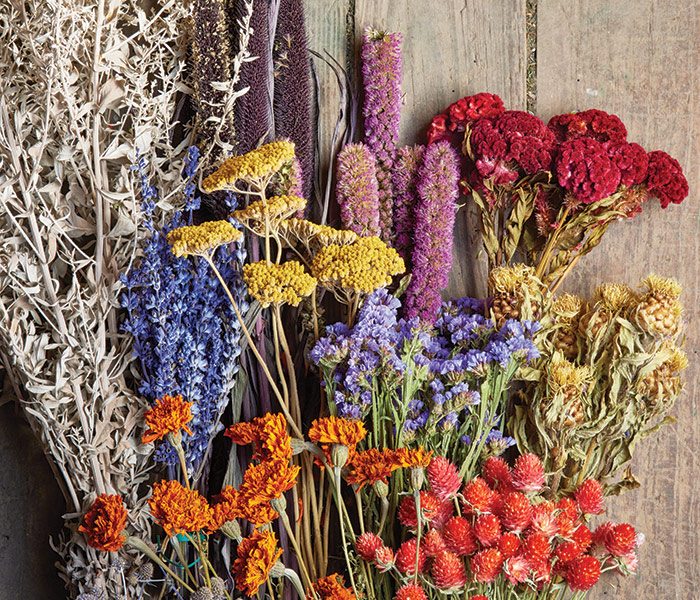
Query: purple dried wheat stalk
point(438, 190)
point(381, 75)
point(404, 181)
point(356, 190)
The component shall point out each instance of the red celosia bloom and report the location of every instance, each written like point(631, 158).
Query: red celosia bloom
point(589, 497)
point(497, 473)
point(621, 539)
point(509, 544)
point(170, 414)
point(486, 565)
point(459, 536)
point(544, 520)
point(104, 522)
point(517, 569)
point(329, 431)
point(582, 536)
point(179, 510)
point(516, 513)
point(631, 159)
point(384, 559)
point(257, 554)
point(367, 544)
point(536, 548)
point(583, 168)
point(665, 179)
point(487, 529)
point(583, 573)
point(433, 543)
point(371, 466)
point(429, 508)
point(595, 124)
point(477, 496)
point(528, 474)
point(410, 592)
point(333, 587)
point(443, 477)
point(450, 124)
point(448, 571)
point(268, 433)
point(406, 557)
point(568, 507)
point(567, 551)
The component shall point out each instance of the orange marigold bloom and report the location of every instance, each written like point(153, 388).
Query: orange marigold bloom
point(104, 523)
point(257, 554)
point(179, 510)
point(333, 588)
point(409, 457)
point(227, 508)
point(268, 480)
point(371, 466)
point(333, 430)
point(169, 415)
point(268, 433)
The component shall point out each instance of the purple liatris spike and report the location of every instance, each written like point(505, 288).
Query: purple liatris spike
point(438, 190)
point(356, 190)
point(381, 76)
point(404, 180)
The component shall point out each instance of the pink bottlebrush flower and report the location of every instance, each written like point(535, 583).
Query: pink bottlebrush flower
point(443, 477)
point(435, 216)
point(356, 190)
point(381, 77)
point(665, 179)
point(583, 168)
point(405, 180)
point(528, 474)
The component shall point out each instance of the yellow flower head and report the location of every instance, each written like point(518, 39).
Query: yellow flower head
point(567, 306)
point(511, 280)
point(662, 286)
point(257, 164)
point(330, 431)
point(169, 415)
point(274, 209)
point(363, 266)
point(564, 374)
point(410, 457)
point(198, 239)
point(314, 236)
point(257, 554)
point(271, 283)
point(614, 297)
point(179, 510)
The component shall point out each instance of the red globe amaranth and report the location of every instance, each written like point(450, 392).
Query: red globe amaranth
point(433, 543)
point(487, 529)
point(405, 559)
point(486, 565)
point(517, 569)
point(448, 571)
point(536, 548)
point(367, 544)
point(514, 141)
point(631, 159)
point(589, 497)
point(477, 496)
point(410, 591)
point(429, 507)
point(453, 121)
point(621, 539)
point(516, 513)
point(497, 473)
point(443, 477)
point(509, 544)
point(528, 474)
point(583, 573)
point(544, 519)
point(582, 536)
point(593, 123)
point(583, 168)
point(459, 536)
point(665, 179)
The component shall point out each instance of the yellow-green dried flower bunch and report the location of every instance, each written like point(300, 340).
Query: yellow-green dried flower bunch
point(659, 309)
point(363, 266)
point(312, 235)
point(270, 283)
point(199, 239)
point(254, 165)
point(567, 310)
point(273, 209)
point(663, 384)
point(566, 385)
point(510, 286)
point(609, 300)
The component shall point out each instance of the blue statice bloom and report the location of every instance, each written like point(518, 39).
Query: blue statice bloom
point(186, 335)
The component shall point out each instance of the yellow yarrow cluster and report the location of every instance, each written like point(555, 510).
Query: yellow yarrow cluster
point(254, 165)
point(198, 239)
point(271, 283)
point(277, 207)
point(309, 233)
point(363, 266)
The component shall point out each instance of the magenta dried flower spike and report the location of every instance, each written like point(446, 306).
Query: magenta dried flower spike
point(357, 190)
point(438, 189)
point(404, 182)
point(381, 76)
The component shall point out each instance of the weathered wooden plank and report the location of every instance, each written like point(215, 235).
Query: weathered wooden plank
point(452, 49)
point(641, 61)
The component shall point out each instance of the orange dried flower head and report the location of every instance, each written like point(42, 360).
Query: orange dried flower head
point(330, 431)
point(169, 415)
point(257, 554)
point(412, 457)
point(179, 510)
point(104, 522)
point(333, 588)
point(268, 480)
point(371, 466)
point(268, 433)
point(227, 508)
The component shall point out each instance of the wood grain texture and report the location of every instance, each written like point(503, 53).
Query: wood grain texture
point(641, 61)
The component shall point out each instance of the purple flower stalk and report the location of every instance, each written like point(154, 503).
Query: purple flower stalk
point(438, 189)
point(405, 179)
point(381, 75)
point(357, 191)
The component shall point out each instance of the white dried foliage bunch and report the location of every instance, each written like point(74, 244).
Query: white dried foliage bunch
point(83, 83)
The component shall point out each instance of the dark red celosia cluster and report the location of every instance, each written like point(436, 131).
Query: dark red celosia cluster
point(665, 179)
point(596, 124)
point(507, 531)
point(583, 168)
point(451, 124)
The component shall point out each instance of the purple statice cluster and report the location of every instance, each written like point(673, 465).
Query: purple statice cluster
point(185, 334)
